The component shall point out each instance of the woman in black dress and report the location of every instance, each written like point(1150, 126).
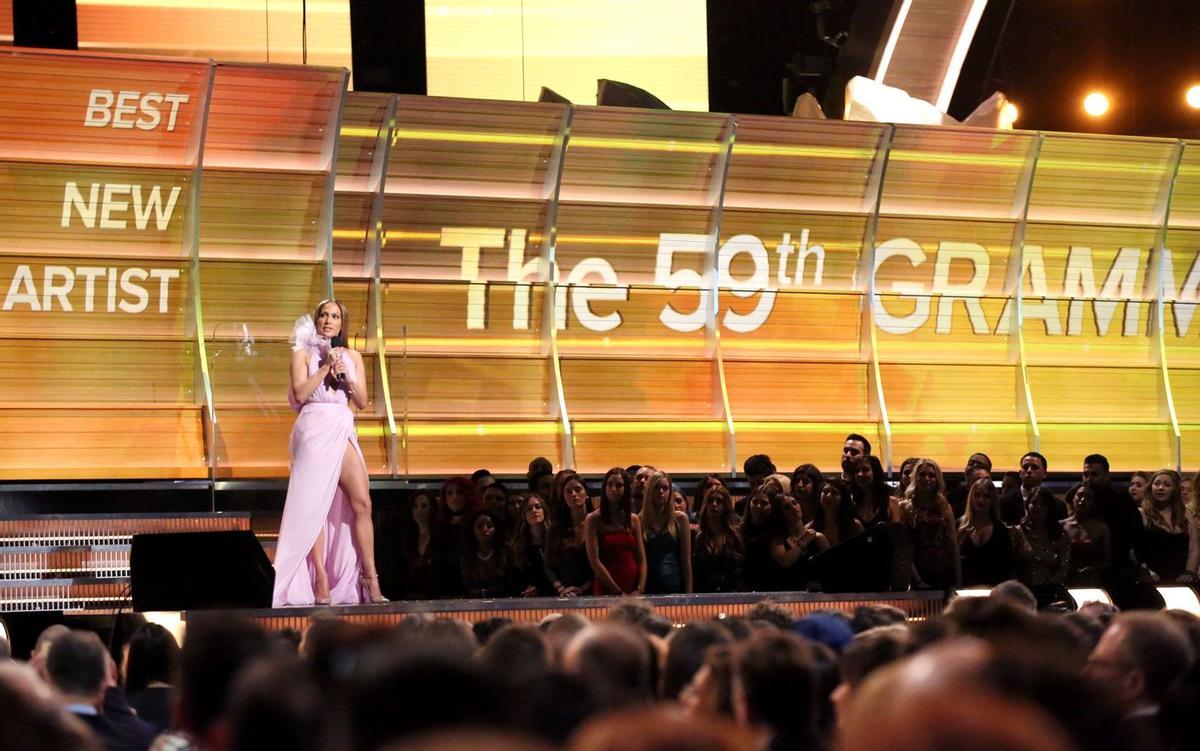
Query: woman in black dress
point(983, 541)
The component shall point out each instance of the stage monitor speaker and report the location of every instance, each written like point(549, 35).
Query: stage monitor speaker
point(617, 94)
point(49, 24)
point(199, 570)
point(867, 562)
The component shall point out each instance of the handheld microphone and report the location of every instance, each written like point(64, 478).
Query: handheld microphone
point(338, 341)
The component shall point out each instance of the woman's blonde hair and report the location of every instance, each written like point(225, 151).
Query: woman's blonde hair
point(1179, 515)
point(652, 517)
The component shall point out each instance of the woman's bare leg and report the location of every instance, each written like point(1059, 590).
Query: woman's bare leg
point(321, 585)
point(355, 483)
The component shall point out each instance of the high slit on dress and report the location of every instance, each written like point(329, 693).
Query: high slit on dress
point(315, 501)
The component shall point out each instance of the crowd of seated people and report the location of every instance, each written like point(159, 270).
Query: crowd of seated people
point(989, 673)
point(637, 533)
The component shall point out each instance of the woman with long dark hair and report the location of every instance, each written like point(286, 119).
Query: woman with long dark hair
point(484, 561)
point(567, 567)
point(807, 482)
point(151, 667)
point(718, 551)
point(614, 539)
point(835, 513)
point(458, 501)
point(527, 549)
point(1043, 548)
point(758, 527)
point(419, 549)
point(326, 548)
point(793, 544)
point(871, 492)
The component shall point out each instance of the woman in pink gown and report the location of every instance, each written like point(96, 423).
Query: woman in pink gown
point(326, 549)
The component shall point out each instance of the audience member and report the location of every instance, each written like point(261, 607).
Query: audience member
point(867, 652)
point(979, 466)
point(1117, 510)
point(835, 518)
point(930, 522)
point(710, 692)
point(527, 550)
point(757, 468)
point(616, 660)
point(758, 528)
point(1141, 656)
point(774, 690)
point(567, 567)
point(807, 482)
point(871, 493)
point(78, 668)
point(33, 720)
point(1168, 546)
point(718, 551)
point(419, 550)
point(794, 543)
point(274, 705)
point(1043, 550)
point(686, 649)
point(151, 668)
point(854, 449)
point(1091, 541)
point(667, 539)
point(615, 546)
point(1033, 474)
point(906, 469)
point(983, 540)
point(483, 564)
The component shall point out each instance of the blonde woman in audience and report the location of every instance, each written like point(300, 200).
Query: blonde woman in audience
point(667, 539)
point(1168, 547)
point(930, 521)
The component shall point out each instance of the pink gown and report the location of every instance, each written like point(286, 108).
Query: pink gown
point(315, 501)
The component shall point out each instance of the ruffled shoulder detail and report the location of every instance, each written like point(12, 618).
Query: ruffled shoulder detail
point(304, 334)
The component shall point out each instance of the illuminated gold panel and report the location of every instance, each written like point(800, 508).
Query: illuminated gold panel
point(1076, 393)
point(74, 108)
point(101, 442)
point(429, 318)
point(263, 298)
point(447, 386)
point(1185, 388)
point(93, 211)
point(128, 298)
point(242, 30)
point(259, 216)
point(1127, 447)
point(602, 388)
point(801, 326)
point(1047, 341)
point(801, 391)
point(640, 316)
point(80, 374)
point(691, 446)
point(950, 444)
point(943, 328)
point(948, 171)
point(936, 392)
point(802, 165)
point(459, 447)
point(790, 444)
point(253, 443)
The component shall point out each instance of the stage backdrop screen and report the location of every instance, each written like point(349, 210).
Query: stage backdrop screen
point(600, 286)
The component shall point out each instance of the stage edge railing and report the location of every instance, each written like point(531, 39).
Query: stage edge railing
point(549, 271)
point(1163, 214)
point(867, 268)
point(1017, 291)
point(712, 332)
point(201, 375)
point(371, 265)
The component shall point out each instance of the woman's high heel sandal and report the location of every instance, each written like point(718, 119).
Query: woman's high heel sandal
point(365, 582)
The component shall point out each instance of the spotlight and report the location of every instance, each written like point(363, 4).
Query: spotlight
point(973, 592)
point(1084, 595)
point(1193, 97)
point(1008, 115)
point(1180, 598)
point(1096, 104)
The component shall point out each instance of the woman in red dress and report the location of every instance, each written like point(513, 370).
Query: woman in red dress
point(614, 540)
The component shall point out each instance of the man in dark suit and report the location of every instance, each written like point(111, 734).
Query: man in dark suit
point(77, 666)
point(979, 466)
point(1033, 474)
point(1140, 657)
point(1115, 508)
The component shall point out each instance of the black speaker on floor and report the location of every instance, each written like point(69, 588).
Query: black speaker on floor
point(50, 24)
point(199, 570)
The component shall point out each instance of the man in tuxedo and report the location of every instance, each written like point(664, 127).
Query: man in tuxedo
point(1140, 657)
point(78, 668)
point(1033, 474)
